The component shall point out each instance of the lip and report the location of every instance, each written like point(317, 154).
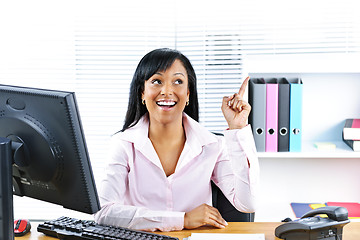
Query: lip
point(166, 104)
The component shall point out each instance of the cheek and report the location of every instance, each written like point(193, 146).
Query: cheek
point(149, 93)
point(185, 96)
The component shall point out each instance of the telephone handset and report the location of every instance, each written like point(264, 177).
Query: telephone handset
point(312, 227)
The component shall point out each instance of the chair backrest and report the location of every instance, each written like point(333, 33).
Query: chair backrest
point(226, 209)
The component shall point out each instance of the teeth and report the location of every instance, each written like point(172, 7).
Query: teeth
point(165, 103)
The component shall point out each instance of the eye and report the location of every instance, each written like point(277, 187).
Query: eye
point(178, 81)
point(156, 81)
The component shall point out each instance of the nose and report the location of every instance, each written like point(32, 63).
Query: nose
point(167, 89)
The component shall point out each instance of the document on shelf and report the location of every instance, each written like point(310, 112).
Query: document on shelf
point(226, 236)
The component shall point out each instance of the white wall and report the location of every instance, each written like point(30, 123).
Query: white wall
point(309, 180)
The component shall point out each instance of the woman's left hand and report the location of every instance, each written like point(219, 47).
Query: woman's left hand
point(236, 111)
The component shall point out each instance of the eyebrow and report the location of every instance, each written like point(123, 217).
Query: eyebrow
point(178, 73)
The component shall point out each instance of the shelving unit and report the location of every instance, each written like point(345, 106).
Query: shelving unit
point(314, 175)
point(328, 99)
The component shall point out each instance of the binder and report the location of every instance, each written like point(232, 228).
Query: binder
point(296, 89)
point(353, 144)
point(284, 115)
point(271, 136)
point(257, 101)
point(351, 130)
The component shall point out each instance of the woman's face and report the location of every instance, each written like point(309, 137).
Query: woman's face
point(166, 94)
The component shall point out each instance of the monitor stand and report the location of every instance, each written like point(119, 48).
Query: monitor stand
point(6, 192)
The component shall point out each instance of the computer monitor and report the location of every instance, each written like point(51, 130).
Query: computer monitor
point(48, 153)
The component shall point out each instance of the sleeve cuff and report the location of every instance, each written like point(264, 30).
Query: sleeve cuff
point(178, 221)
point(243, 135)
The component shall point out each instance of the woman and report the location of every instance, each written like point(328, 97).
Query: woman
point(163, 160)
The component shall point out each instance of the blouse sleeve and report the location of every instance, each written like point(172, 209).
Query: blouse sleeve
point(236, 172)
point(112, 193)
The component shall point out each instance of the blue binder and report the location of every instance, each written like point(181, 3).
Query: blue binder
point(296, 89)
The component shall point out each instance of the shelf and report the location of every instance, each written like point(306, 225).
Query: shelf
point(309, 151)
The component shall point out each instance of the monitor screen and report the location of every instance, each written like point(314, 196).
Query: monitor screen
point(49, 154)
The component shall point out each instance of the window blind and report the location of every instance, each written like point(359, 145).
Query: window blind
point(217, 59)
point(305, 27)
point(93, 48)
point(107, 54)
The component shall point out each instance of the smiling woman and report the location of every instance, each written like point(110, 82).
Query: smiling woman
point(163, 161)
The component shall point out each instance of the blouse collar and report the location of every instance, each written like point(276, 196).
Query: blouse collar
point(196, 134)
point(197, 137)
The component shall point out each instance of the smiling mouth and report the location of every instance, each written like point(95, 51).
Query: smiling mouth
point(166, 104)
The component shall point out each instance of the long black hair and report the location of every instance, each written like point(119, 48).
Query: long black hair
point(155, 61)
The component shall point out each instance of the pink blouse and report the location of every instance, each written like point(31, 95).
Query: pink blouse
point(137, 194)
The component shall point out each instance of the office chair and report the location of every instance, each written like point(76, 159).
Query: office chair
point(226, 209)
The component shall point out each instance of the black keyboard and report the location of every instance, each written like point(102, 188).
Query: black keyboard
point(73, 229)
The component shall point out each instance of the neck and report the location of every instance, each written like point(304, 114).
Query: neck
point(170, 132)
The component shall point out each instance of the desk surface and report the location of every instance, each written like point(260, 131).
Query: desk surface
point(351, 231)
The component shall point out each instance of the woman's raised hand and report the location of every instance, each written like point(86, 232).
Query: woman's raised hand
point(236, 111)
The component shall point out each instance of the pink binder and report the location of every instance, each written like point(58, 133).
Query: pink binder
point(271, 137)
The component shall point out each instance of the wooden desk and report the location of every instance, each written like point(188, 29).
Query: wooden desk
point(351, 231)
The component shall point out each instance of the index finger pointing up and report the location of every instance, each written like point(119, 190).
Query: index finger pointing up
point(243, 87)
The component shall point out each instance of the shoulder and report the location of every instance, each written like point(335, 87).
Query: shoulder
point(123, 142)
point(119, 148)
point(136, 133)
point(196, 132)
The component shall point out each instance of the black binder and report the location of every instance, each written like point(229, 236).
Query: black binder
point(283, 115)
